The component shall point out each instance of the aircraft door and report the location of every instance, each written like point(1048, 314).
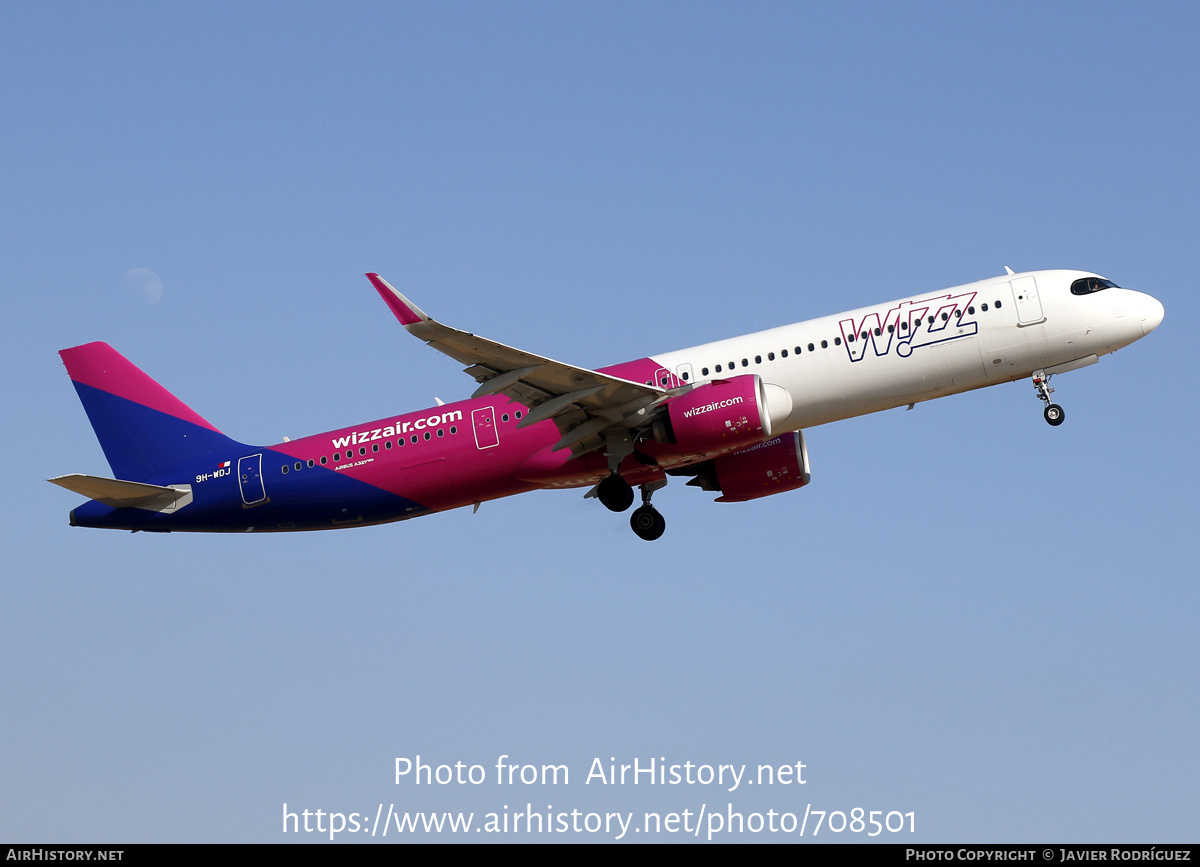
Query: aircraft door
point(663, 378)
point(483, 421)
point(1029, 305)
point(250, 480)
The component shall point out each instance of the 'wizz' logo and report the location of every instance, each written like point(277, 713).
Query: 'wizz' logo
point(911, 324)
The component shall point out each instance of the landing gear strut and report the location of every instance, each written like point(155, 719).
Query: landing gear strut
point(646, 520)
point(1053, 413)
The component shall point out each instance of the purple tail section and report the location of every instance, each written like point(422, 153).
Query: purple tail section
point(143, 428)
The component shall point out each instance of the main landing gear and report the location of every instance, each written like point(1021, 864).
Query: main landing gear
point(1053, 413)
point(617, 495)
point(647, 522)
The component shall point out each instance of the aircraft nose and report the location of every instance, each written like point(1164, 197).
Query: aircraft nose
point(1152, 315)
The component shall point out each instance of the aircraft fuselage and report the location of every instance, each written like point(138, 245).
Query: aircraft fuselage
point(809, 373)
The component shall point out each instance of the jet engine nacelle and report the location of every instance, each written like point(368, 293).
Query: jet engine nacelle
point(772, 467)
point(724, 413)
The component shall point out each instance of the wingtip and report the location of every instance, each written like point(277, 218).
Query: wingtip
point(403, 309)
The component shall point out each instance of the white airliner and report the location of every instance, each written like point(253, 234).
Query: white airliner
point(727, 414)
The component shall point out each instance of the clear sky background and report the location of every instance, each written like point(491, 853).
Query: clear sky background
point(968, 614)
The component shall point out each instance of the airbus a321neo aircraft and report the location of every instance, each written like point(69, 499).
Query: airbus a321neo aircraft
point(727, 414)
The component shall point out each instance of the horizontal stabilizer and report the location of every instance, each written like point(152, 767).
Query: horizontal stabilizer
point(120, 494)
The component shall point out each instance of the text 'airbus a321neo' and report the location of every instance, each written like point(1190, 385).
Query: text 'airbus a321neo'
point(727, 414)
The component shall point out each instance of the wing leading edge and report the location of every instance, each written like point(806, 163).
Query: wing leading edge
point(587, 406)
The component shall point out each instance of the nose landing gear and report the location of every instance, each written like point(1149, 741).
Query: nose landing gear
point(646, 520)
point(1053, 413)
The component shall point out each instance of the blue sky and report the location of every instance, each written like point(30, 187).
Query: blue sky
point(968, 614)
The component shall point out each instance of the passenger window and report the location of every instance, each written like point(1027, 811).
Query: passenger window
point(824, 344)
point(704, 371)
point(997, 305)
point(837, 341)
point(375, 447)
point(783, 353)
point(285, 469)
point(810, 348)
point(983, 307)
point(758, 359)
point(770, 356)
point(324, 460)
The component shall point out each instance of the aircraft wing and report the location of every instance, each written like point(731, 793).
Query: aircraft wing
point(584, 403)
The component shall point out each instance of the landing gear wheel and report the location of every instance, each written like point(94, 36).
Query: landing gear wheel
point(615, 493)
point(1041, 383)
point(647, 523)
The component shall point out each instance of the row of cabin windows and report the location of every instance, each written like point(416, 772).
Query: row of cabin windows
point(837, 341)
point(362, 450)
point(387, 444)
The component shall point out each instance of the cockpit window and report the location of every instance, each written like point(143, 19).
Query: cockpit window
point(1088, 285)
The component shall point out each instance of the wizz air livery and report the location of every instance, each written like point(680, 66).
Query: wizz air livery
point(728, 415)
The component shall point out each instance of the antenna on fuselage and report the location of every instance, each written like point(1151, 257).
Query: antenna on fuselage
point(1009, 270)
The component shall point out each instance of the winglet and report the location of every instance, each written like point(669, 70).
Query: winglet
point(404, 310)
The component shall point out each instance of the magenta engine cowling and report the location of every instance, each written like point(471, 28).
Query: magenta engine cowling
point(772, 467)
point(721, 414)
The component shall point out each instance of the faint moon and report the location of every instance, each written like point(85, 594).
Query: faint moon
point(145, 283)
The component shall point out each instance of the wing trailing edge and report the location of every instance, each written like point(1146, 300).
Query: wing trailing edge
point(582, 402)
